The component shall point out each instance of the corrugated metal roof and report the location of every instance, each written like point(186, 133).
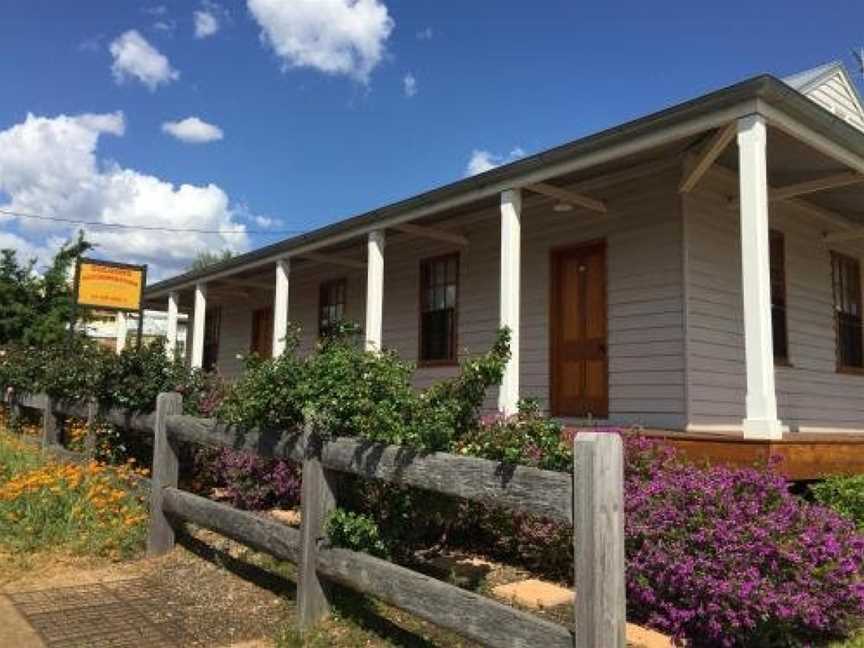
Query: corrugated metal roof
point(764, 86)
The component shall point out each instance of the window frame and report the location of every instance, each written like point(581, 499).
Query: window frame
point(324, 289)
point(453, 359)
point(837, 257)
point(258, 314)
point(778, 237)
point(213, 331)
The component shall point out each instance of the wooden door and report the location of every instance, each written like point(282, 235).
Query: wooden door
point(579, 364)
point(262, 332)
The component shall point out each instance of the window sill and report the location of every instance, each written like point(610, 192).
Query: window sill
point(851, 371)
point(424, 364)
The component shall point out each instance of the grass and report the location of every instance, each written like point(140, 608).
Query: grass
point(86, 509)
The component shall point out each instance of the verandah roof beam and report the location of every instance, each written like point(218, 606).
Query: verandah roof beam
point(432, 233)
point(567, 196)
point(834, 181)
point(707, 156)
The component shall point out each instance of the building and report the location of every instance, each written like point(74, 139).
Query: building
point(696, 270)
point(114, 330)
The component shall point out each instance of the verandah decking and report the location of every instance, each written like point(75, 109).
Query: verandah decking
point(803, 456)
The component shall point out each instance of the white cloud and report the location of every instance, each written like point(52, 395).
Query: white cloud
point(334, 36)
point(167, 26)
point(135, 58)
point(158, 10)
point(425, 34)
point(49, 167)
point(266, 222)
point(482, 161)
point(409, 85)
point(27, 250)
point(193, 130)
point(206, 24)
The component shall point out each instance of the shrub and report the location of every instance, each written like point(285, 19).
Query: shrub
point(527, 438)
point(354, 531)
point(73, 371)
point(342, 389)
point(843, 494)
point(268, 394)
point(350, 391)
point(17, 371)
point(133, 379)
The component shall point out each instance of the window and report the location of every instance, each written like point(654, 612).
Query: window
point(262, 332)
point(846, 273)
point(439, 279)
point(212, 327)
point(331, 306)
point(778, 296)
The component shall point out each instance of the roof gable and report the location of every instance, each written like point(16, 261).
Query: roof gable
point(831, 87)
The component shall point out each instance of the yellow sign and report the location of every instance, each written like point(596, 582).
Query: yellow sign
point(109, 285)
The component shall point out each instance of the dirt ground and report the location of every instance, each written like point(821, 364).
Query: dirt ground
point(210, 591)
point(216, 592)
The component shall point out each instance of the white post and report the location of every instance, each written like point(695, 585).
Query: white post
point(761, 403)
point(511, 251)
point(120, 328)
point(280, 307)
point(375, 290)
point(171, 325)
point(198, 325)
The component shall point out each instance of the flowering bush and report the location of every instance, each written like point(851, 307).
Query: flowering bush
point(89, 508)
point(720, 556)
point(251, 482)
point(727, 556)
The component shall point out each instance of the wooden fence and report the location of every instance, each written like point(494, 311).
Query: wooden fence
point(591, 499)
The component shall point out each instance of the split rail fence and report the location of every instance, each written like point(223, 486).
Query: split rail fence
point(591, 500)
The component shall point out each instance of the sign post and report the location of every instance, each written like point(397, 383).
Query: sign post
point(110, 286)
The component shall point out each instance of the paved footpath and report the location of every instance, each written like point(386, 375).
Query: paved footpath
point(121, 606)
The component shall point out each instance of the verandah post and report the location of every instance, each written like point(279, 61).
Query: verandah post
point(160, 539)
point(598, 540)
point(317, 501)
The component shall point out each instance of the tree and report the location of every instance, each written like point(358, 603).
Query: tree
point(206, 258)
point(35, 309)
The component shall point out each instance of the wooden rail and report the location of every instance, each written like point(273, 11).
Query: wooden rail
point(591, 499)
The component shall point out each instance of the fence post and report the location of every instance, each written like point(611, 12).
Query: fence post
point(160, 539)
point(14, 408)
point(90, 438)
point(598, 540)
point(50, 426)
point(317, 500)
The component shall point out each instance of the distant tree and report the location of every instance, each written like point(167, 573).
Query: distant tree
point(206, 258)
point(35, 309)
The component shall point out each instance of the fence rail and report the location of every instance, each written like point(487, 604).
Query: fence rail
point(590, 499)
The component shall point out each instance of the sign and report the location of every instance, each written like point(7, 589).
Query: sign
point(104, 284)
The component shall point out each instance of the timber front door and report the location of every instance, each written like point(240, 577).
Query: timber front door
point(579, 366)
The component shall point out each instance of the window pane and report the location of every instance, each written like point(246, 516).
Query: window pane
point(778, 294)
point(451, 296)
point(438, 308)
point(847, 305)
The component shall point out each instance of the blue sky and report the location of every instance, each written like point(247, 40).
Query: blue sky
point(315, 119)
